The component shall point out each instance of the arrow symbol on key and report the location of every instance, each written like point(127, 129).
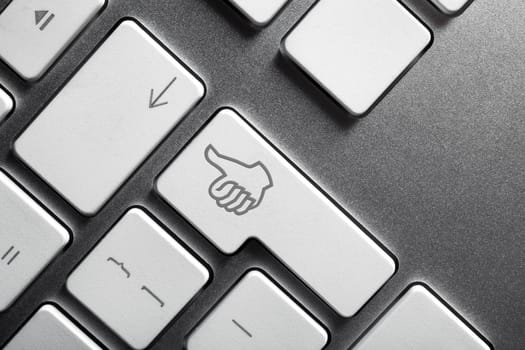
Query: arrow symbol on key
point(154, 101)
point(39, 16)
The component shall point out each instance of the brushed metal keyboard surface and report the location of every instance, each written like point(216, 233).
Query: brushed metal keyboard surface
point(436, 171)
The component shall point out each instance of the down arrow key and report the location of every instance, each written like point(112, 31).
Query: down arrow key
point(154, 101)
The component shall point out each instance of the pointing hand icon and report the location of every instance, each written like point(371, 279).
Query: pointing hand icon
point(240, 187)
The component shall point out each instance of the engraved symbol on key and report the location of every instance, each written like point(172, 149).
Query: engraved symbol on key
point(240, 187)
point(242, 328)
point(10, 255)
point(121, 265)
point(147, 290)
point(39, 17)
point(154, 102)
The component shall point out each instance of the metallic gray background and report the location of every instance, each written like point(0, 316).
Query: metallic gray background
point(436, 172)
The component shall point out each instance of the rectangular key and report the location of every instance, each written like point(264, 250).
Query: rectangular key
point(29, 239)
point(420, 321)
point(109, 118)
point(451, 7)
point(356, 49)
point(256, 314)
point(33, 33)
point(6, 104)
point(259, 12)
point(49, 329)
point(147, 277)
point(232, 185)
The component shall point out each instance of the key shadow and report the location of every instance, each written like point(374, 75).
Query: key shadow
point(233, 17)
point(427, 12)
point(314, 92)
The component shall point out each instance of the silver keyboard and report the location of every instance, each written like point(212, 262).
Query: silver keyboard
point(230, 182)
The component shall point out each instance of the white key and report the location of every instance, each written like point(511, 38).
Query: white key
point(256, 314)
point(356, 49)
point(259, 12)
point(33, 33)
point(109, 118)
point(29, 239)
point(451, 7)
point(420, 321)
point(6, 104)
point(49, 329)
point(147, 278)
point(232, 185)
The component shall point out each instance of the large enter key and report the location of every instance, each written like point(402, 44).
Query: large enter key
point(109, 117)
point(232, 185)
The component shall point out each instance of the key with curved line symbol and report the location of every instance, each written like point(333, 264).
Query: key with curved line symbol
point(121, 265)
point(240, 187)
point(164, 277)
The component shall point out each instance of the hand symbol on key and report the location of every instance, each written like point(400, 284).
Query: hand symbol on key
point(240, 187)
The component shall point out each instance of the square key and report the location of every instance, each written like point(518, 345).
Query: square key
point(357, 49)
point(419, 320)
point(50, 329)
point(137, 279)
point(451, 7)
point(259, 12)
point(257, 314)
point(109, 117)
point(34, 33)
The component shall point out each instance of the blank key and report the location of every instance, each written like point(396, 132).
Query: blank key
point(417, 321)
point(356, 49)
point(50, 329)
point(259, 12)
point(451, 7)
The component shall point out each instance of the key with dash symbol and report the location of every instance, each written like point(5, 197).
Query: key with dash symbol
point(242, 328)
